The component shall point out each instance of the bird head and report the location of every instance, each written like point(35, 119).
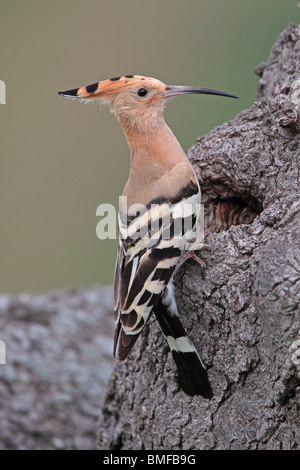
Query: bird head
point(137, 101)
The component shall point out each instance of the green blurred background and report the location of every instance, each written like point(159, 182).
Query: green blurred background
point(61, 159)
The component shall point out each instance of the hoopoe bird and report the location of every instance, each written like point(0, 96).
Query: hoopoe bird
point(161, 184)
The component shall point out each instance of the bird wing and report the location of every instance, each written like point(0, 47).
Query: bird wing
point(151, 245)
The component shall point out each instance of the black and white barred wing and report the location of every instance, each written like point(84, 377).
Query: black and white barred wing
point(150, 247)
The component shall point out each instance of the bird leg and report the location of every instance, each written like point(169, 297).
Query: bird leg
point(190, 254)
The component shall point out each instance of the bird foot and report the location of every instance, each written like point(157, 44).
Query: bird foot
point(191, 255)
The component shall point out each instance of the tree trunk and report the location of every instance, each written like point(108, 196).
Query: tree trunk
point(242, 311)
point(58, 361)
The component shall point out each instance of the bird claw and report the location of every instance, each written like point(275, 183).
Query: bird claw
point(191, 255)
point(206, 247)
point(197, 259)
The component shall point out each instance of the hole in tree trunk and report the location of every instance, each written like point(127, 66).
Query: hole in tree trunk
point(223, 208)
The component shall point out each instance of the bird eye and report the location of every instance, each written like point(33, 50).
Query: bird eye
point(142, 92)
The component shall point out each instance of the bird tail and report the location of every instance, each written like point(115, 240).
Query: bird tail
point(192, 375)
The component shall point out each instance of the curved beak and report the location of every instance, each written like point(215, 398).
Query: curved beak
point(184, 90)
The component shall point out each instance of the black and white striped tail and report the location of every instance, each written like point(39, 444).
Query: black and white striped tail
point(192, 375)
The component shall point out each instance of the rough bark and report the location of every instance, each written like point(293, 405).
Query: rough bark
point(242, 311)
point(58, 361)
